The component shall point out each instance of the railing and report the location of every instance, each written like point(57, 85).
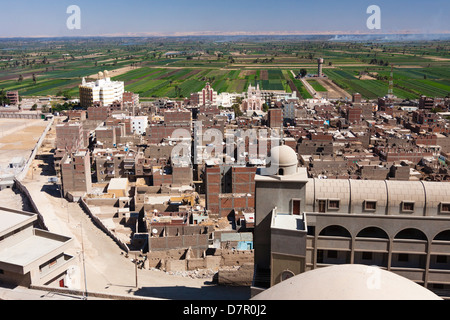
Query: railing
point(372, 244)
point(334, 243)
point(409, 246)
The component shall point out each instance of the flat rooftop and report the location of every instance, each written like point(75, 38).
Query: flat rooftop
point(11, 220)
point(288, 222)
point(29, 250)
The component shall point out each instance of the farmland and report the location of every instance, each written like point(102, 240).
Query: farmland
point(175, 68)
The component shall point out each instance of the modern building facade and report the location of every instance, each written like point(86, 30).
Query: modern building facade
point(30, 256)
point(303, 224)
point(103, 90)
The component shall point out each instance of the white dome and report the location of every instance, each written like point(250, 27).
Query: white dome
point(284, 156)
point(347, 282)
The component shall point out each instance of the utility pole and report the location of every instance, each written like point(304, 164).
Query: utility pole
point(136, 253)
point(85, 295)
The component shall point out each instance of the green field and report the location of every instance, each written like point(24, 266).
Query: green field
point(59, 66)
point(317, 86)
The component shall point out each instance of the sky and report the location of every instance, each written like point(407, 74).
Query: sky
point(32, 18)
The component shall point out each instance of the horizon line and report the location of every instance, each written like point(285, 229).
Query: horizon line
point(231, 33)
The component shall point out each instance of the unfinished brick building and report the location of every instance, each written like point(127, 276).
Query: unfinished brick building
point(69, 137)
point(76, 173)
point(275, 118)
point(229, 189)
point(98, 113)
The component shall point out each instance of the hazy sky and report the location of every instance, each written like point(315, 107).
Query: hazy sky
point(110, 17)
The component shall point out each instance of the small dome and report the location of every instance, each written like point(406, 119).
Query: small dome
point(284, 156)
point(347, 282)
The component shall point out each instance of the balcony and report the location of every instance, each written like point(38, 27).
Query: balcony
point(414, 274)
point(334, 243)
point(409, 246)
point(372, 244)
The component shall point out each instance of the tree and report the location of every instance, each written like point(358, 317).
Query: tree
point(3, 99)
point(237, 110)
point(20, 78)
point(303, 72)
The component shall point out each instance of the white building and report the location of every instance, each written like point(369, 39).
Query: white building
point(139, 124)
point(226, 99)
point(103, 90)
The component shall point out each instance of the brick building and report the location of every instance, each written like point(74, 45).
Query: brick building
point(69, 137)
point(275, 118)
point(76, 172)
point(13, 97)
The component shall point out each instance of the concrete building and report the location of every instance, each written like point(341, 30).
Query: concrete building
point(30, 256)
point(118, 187)
point(139, 124)
point(13, 97)
point(205, 97)
point(347, 282)
point(130, 98)
point(426, 102)
point(303, 224)
point(103, 90)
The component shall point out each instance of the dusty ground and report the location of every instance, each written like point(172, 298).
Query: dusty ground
point(18, 138)
point(117, 72)
point(334, 92)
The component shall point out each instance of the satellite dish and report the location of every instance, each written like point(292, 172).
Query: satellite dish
point(154, 231)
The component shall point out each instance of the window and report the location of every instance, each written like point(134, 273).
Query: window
point(333, 204)
point(367, 255)
point(332, 254)
point(370, 205)
point(322, 205)
point(296, 207)
point(286, 275)
point(441, 259)
point(407, 206)
point(445, 208)
point(403, 257)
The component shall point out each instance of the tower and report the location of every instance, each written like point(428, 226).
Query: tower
point(391, 83)
point(320, 65)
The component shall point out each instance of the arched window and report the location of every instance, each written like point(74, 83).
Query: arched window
point(411, 234)
point(335, 231)
point(372, 232)
point(443, 236)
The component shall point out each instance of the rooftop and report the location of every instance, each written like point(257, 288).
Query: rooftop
point(32, 248)
point(12, 219)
